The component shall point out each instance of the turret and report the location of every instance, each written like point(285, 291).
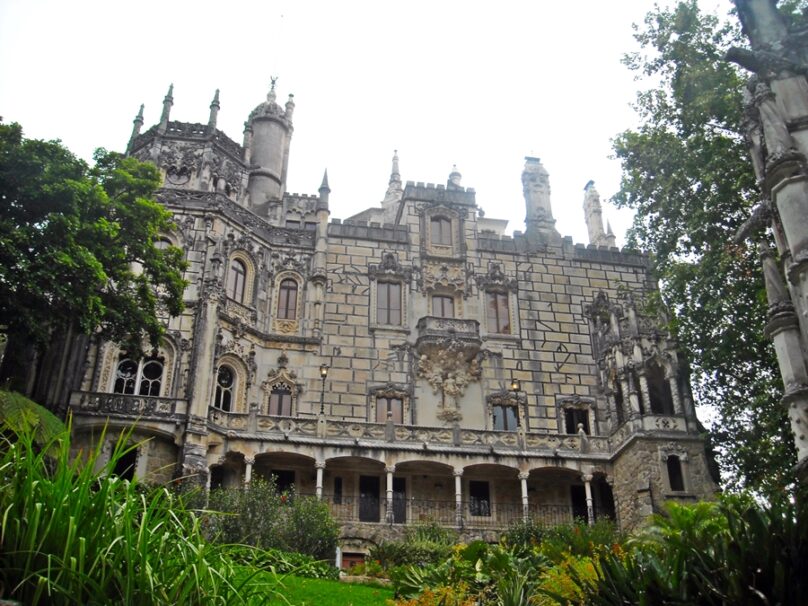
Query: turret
point(394, 189)
point(214, 112)
point(536, 189)
point(137, 123)
point(322, 203)
point(268, 134)
point(594, 218)
point(168, 101)
point(455, 178)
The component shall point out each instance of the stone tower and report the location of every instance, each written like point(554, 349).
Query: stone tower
point(594, 218)
point(267, 136)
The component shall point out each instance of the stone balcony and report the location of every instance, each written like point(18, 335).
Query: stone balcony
point(311, 430)
point(146, 408)
point(434, 331)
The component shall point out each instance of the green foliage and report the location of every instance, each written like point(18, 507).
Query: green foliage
point(423, 544)
point(579, 539)
point(732, 552)
point(261, 516)
point(70, 239)
point(688, 176)
point(282, 562)
point(23, 416)
point(70, 535)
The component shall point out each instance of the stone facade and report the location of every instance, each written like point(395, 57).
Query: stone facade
point(412, 363)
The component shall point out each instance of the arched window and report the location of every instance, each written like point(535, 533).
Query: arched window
point(142, 378)
point(236, 280)
point(280, 401)
point(659, 390)
point(675, 476)
point(287, 300)
point(225, 380)
point(441, 231)
point(162, 243)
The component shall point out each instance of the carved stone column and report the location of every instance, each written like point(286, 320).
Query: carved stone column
point(458, 477)
point(319, 466)
point(523, 476)
point(248, 466)
point(389, 470)
point(590, 508)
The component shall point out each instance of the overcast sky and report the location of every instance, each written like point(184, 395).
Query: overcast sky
point(476, 84)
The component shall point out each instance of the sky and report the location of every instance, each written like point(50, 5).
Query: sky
point(479, 85)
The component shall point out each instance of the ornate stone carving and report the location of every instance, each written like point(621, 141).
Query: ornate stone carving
point(496, 278)
point(448, 371)
point(446, 276)
point(390, 267)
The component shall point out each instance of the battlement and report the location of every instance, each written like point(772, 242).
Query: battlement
point(430, 192)
point(368, 230)
point(190, 130)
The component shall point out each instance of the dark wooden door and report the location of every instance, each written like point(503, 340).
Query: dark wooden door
point(368, 499)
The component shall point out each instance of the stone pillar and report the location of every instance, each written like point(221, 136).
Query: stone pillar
point(248, 465)
point(319, 466)
point(389, 470)
point(458, 477)
point(523, 476)
point(631, 391)
point(590, 508)
point(678, 405)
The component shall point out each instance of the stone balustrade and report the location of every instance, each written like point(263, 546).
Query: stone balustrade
point(144, 407)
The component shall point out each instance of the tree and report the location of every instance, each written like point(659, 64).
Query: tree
point(687, 174)
point(77, 250)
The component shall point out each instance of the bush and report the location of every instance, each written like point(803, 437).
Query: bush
point(579, 539)
point(71, 535)
point(261, 516)
point(422, 545)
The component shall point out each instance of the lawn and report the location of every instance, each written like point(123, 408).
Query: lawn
point(299, 591)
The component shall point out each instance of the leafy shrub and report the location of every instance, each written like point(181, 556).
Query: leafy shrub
point(523, 535)
point(422, 545)
point(735, 551)
point(71, 535)
point(261, 516)
point(579, 539)
point(283, 562)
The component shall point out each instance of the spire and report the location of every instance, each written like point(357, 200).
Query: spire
point(168, 101)
point(324, 190)
point(271, 96)
point(394, 189)
point(214, 112)
point(454, 178)
point(611, 241)
point(536, 189)
point(290, 107)
point(137, 123)
point(594, 216)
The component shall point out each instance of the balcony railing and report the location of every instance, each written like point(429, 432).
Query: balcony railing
point(474, 513)
point(128, 405)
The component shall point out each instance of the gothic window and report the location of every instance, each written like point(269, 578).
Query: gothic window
point(619, 401)
point(443, 306)
point(287, 300)
point(162, 243)
point(479, 498)
point(293, 224)
point(675, 477)
point(280, 401)
point(225, 381)
point(441, 231)
point(573, 417)
point(659, 390)
point(394, 407)
point(142, 378)
point(498, 313)
point(236, 280)
point(506, 418)
point(388, 303)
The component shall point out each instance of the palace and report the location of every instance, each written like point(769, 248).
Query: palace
point(411, 363)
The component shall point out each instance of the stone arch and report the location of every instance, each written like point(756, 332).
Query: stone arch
point(166, 351)
point(250, 266)
point(242, 375)
point(287, 325)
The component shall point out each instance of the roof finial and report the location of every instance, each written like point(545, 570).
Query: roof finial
point(136, 124)
point(454, 178)
point(214, 112)
point(324, 191)
point(168, 101)
point(271, 95)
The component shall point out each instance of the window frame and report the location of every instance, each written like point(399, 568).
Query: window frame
point(384, 312)
point(138, 378)
point(280, 390)
point(439, 236)
point(284, 309)
point(499, 297)
point(234, 290)
point(577, 413)
point(443, 297)
point(221, 391)
point(385, 403)
point(513, 409)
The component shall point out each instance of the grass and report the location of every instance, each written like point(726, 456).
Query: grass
point(298, 591)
